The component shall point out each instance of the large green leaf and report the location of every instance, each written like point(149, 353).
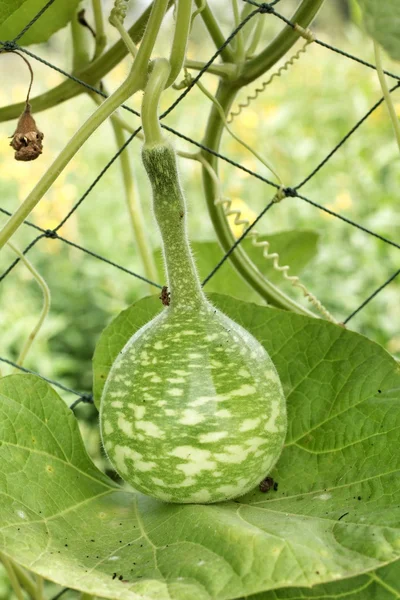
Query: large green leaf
point(16, 14)
point(382, 20)
point(295, 248)
point(335, 514)
point(383, 584)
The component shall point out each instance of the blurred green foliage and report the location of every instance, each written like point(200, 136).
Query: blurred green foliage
point(294, 124)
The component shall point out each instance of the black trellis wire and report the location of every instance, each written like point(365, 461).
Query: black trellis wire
point(260, 8)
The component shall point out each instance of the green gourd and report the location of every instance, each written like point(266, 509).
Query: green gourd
point(193, 410)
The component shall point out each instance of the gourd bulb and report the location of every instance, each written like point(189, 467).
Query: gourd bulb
point(193, 410)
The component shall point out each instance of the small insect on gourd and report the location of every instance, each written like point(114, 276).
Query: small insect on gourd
point(192, 410)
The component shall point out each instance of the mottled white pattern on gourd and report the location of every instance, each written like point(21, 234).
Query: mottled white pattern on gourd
point(192, 409)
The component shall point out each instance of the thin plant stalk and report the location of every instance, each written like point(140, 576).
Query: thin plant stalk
point(135, 208)
point(46, 303)
point(214, 30)
point(386, 93)
point(35, 590)
point(181, 35)
point(239, 41)
point(8, 565)
point(101, 39)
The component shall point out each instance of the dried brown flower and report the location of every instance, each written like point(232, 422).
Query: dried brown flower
point(27, 140)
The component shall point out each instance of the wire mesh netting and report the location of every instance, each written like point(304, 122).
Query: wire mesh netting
point(261, 10)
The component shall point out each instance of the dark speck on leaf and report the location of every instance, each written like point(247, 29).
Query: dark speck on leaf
point(121, 577)
point(359, 498)
point(66, 545)
point(266, 485)
point(276, 486)
point(379, 391)
point(114, 575)
point(341, 517)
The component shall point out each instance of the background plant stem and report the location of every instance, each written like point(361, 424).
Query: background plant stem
point(386, 93)
point(101, 39)
point(46, 304)
point(135, 209)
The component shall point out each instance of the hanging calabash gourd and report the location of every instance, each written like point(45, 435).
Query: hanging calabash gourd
point(193, 409)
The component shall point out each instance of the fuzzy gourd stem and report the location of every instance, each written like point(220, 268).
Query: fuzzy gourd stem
point(135, 208)
point(168, 201)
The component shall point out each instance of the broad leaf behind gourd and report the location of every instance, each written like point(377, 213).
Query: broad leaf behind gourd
point(295, 248)
point(335, 514)
point(383, 584)
point(16, 14)
point(382, 21)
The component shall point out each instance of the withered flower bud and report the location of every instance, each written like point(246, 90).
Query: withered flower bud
point(27, 139)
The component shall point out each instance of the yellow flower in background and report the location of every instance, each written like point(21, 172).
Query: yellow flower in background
point(342, 202)
point(249, 118)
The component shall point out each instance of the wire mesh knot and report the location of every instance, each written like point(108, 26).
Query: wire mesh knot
point(8, 46)
point(266, 8)
point(290, 192)
point(50, 233)
point(87, 398)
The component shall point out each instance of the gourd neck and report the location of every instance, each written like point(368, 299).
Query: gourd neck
point(170, 212)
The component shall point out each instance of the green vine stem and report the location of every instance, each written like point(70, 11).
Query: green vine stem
point(386, 93)
point(238, 40)
point(101, 39)
point(226, 70)
point(159, 73)
point(149, 39)
point(46, 303)
point(35, 591)
point(81, 44)
point(135, 208)
point(220, 110)
point(254, 35)
point(9, 567)
point(181, 34)
point(260, 64)
point(225, 96)
point(214, 30)
point(239, 258)
point(116, 19)
point(91, 74)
